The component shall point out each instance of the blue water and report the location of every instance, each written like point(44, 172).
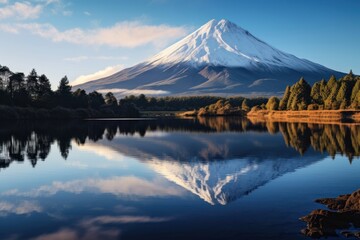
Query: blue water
point(168, 180)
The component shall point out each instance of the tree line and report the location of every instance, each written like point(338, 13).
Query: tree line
point(186, 103)
point(34, 91)
point(334, 94)
point(33, 140)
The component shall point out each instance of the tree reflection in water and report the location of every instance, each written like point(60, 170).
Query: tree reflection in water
point(33, 140)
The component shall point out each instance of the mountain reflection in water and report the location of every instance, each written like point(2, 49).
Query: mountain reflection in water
point(34, 140)
point(206, 178)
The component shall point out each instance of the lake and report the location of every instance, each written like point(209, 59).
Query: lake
point(209, 178)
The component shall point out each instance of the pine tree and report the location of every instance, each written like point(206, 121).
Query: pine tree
point(64, 88)
point(284, 101)
point(32, 84)
point(332, 86)
point(344, 93)
point(316, 93)
point(355, 91)
point(300, 95)
point(44, 86)
point(64, 93)
point(110, 99)
point(273, 103)
point(245, 105)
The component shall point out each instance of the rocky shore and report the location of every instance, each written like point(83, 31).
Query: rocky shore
point(342, 218)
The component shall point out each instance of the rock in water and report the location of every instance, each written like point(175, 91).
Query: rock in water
point(344, 213)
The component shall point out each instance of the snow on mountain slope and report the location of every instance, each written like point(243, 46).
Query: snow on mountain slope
point(220, 182)
point(217, 167)
point(219, 58)
point(222, 43)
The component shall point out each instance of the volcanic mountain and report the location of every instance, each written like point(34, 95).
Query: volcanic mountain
point(219, 58)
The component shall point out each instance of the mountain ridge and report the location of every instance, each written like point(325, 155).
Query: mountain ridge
point(219, 58)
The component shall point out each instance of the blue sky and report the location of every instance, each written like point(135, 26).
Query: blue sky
point(93, 38)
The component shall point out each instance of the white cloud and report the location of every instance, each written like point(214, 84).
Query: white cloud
point(86, 58)
point(20, 10)
point(100, 150)
point(8, 28)
point(3, 1)
point(98, 228)
point(100, 74)
point(24, 207)
point(124, 91)
point(87, 13)
point(119, 186)
point(123, 34)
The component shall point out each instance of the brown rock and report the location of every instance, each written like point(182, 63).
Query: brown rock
point(345, 214)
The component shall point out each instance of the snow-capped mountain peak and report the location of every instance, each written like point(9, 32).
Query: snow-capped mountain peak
point(223, 43)
point(219, 58)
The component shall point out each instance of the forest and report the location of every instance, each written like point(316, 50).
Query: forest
point(334, 94)
point(31, 97)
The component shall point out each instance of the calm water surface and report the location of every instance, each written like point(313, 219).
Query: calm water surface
point(170, 179)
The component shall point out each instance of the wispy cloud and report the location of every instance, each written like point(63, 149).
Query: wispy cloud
point(24, 207)
point(124, 91)
point(87, 13)
point(97, 75)
point(3, 1)
point(86, 58)
point(20, 10)
point(123, 34)
point(98, 227)
point(119, 186)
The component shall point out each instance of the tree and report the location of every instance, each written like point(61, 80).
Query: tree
point(284, 101)
point(110, 99)
point(344, 93)
point(32, 84)
point(273, 103)
point(96, 100)
point(245, 106)
point(44, 86)
point(64, 93)
point(80, 98)
point(64, 87)
point(300, 95)
point(5, 74)
point(332, 87)
point(317, 92)
point(16, 83)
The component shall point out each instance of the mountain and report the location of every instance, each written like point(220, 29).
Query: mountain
point(217, 167)
point(219, 58)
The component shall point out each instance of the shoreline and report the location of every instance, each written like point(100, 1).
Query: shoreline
point(307, 116)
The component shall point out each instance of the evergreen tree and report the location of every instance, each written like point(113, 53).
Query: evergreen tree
point(16, 83)
point(44, 86)
point(273, 103)
point(355, 95)
point(300, 95)
point(315, 94)
point(332, 86)
point(64, 87)
point(5, 74)
point(324, 91)
point(245, 105)
point(64, 93)
point(32, 84)
point(80, 99)
point(284, 101)
point(344, 93)
point(110, 99)
point(96, 100)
